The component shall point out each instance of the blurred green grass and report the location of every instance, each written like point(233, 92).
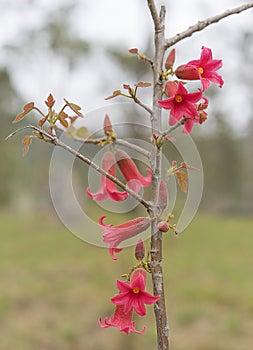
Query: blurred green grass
point(54, 287)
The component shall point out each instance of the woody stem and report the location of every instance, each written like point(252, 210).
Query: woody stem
point(156, 235)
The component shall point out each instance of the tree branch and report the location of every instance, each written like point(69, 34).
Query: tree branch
point(172, 128)
point(117, 142)
point(154, 14)
point(205, 23)
point(156, 162)
point(55, 141)
point(138, 102)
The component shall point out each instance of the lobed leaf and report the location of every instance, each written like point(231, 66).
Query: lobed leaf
point(27, 108)
point(50, 101)
point(114, 94)
point(141, 84)
point(75, 108)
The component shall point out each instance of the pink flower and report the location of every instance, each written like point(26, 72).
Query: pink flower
point(205, 69)
point(131, 173)
point(181, 104)
point(114, 235)
point(133, 295)
point(121, 320)
point(108, 189)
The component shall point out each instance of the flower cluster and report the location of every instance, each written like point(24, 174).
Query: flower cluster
point(185, 107)
point(132, 297)
point(135, 180)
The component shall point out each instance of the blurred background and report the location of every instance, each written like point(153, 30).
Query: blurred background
point(54, 287)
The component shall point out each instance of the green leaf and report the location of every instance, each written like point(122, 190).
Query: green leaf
point(81, 132)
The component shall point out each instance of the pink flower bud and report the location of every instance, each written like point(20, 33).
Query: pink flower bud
point(170, 59)
point(107, 125)
point(140, 250)
point(170, 88)
point(187, 72)
point(163, 226)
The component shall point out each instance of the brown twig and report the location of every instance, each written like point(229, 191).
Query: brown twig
point(55, 141)
point(141, 104)
point(172, 128)
point(154, 14)
point(117, 141)
point(203, 24)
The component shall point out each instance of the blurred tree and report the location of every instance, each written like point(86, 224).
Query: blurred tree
point(10, 103)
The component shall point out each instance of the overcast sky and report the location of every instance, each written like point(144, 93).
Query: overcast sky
point(124, 23)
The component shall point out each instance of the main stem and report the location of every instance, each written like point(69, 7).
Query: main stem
point(156, 235)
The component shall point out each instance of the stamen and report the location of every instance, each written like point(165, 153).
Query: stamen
point(201, 70)
point(178, 98)
point(136, 290)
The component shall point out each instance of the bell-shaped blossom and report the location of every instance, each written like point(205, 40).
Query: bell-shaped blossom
point(122, 320)
point(182, 104)
point(205, 69)
point(133, 295)
point(114, 235)
point(108, 189)
point(131, 173)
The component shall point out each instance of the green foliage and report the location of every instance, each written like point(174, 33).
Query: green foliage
point(50, 293)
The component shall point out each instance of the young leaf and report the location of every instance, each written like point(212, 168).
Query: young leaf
point(75, 108)
point(81, 132)
point(141, 84)
point(50, 101)
point(42, 121)
point(62, 118)
point(114, 94)
point(27, 140)
point(133, 51)
point(27, 108)
point(182, 180)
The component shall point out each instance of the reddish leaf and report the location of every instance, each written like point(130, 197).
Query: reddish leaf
point(72, 119)
point(27, 140)
point(141, 84)
point(75, 108)
point(114, 94)
point(126, 87)
point(64, 122)
point(50, 101)
point(133, 51)
point(42, 121)
point(27, 108)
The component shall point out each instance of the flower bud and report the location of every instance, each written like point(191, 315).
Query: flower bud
point(170, 59)
point(170, 88)
point(140, 250)
point(187, 72)
point(163, 226)
point(107, 125)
